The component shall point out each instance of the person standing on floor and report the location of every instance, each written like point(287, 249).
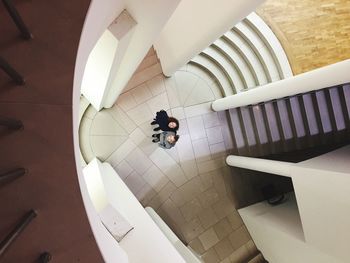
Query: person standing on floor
point(165, 122)
point(166, 139)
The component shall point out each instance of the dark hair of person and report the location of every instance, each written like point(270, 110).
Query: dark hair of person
point(176, 137)
point(172, 119)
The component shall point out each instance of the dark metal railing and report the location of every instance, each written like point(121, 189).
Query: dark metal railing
point(45, 257)
point(11, 175)
point(11, 72)
point(17, 19)
point(11, 237)
point(11, 124)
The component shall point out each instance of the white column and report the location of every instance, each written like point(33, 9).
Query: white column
point(195, 25)
point(262, 165)
point(328, 76)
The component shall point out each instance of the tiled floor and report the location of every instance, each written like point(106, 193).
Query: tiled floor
point(189, 185)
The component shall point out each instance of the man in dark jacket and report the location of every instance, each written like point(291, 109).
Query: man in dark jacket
point(166, 139)
point(165, 122)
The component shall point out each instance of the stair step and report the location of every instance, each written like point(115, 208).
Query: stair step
point(337, 108)
point(273, 122)
point(344, 104)
point(260, 49)
point(260, 124)
point(322, 106)
point(271, 41)
point(241, 68)
point(232, 71)
point(298, 118)
point(211, 66)
point(248, 127)
point(285, 121)
point(310, 114)
point(240, 139)
point(207, 76)
point(248, 53)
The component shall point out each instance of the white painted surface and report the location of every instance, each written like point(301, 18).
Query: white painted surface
point(146, 242)
point(322, 188)
point(262, 165)
point(194, 26)
point(320, 78)
point(150, 17)
point(185, 252)
point(98, 69)
point(277, 233)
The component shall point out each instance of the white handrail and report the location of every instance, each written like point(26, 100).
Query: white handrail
point(328, 76)
point(262, 165)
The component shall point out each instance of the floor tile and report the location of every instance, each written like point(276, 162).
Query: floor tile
point(239, 237)
point(211, 165)
point(178, 113)
point(170, 86)
point(168, 166)
point(201, 93)
point(209, 197)
point(191, 230)
point(104, 124)
point(224, 248)
point(201, 150)
point(139, 161)
point(104, 146)
point(123, 169)
point(197, 246)
point(235, 220)
point(135, 182)
point(218, 150)
point(207, 217)
point(141, 93)
point(209, 238)
point(126, 101)
point(191, 209)
point(122, 118)
point(145, 194)
point(196, 110)
point(185, 84)
point(211, 119)
point(214, 135)
point(156, 85)
point(140, 114)
point(159, 102)
point(166, 191)
point(119, 155)
point(196, 128)
point(155, 178)
point(138, 136)
point(211, 256)
point(173, 212)
point(183, 127)
point(223, 228)
point(223, 208)
point(189, 168)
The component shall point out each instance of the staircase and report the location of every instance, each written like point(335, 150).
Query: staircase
point(247, 56)
point(293, 123)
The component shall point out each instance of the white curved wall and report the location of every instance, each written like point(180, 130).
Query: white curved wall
point(100, 15)
point(195, 25)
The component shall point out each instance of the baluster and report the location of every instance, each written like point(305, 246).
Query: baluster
point(11, 124)
point(11, 175)
point(17, 19)
point(45, 257)
point(11, 237)
point(11, 72)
